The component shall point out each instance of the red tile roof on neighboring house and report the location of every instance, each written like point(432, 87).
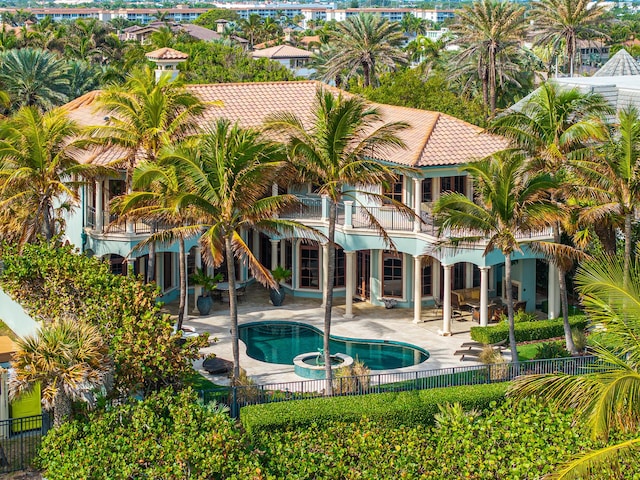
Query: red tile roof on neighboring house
point(282, 51)
point(166, 53)
point(432, 138)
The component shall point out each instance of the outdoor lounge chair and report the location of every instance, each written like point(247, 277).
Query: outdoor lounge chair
point(498, 345)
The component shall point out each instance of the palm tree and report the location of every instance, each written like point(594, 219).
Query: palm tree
point(337, 153)
point(163, 37)
point(428, 53)
point(145, 116)
point(367, 43)
point(34, 78)
point(224, 179)
point(613, 178)
point(556, 127)
point(70, 361)
point(607, 397)
point(38, 169)
point(510, 199)
point(154, 183)
point(490, 32)
point(562, 23)
point(251, 28)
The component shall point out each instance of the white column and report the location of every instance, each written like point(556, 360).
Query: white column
point(468, 275)
point(417, 200)
point(325, 208)
point(446, 302)
point(484, 296)
point(553, 295)
point(197, 290)
point(283, 252)
point(350, 280)
point(99, 225)
point(435, 189)
point(325, 271)
point(348, 214)
point(274, 253)
point(417, 288)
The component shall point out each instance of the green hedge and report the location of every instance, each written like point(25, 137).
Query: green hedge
point(392, 409)
point(526, 331)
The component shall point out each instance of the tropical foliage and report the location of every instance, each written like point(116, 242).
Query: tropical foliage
point(607, 398)
point(338, 153)
point(562, 23)
point(364, 45)
point(558, 128)
point(525, 440)
point(147, 355)
point(68, 358)
point(490, 32)
point(509, 200)
point(224, 178)
point(38, 173)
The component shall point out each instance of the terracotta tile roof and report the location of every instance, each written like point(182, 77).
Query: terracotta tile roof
point(166, 53)
point(433, 138)
point(282, 51)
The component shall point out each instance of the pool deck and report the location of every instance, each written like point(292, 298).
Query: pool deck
point(369, 322)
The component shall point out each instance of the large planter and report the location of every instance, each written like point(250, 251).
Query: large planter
point(204, 304)
point(277, 296)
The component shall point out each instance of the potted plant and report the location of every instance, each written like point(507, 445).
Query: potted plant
point(277, 294)
point(208, 283)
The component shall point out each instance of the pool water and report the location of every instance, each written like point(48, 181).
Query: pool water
point(280, 342)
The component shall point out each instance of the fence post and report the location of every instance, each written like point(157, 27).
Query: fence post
point(234, 402)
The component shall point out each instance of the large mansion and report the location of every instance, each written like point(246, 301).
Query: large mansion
point(419, 272)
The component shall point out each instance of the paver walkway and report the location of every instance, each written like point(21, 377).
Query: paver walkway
point(369, 322)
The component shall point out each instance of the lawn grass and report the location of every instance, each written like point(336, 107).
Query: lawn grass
point(200, 383)
point(527, 351)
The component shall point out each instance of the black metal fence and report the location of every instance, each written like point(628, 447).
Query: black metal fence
point(20, 440)
point(240, 396)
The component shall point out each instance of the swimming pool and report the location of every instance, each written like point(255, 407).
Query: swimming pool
point(280, 342)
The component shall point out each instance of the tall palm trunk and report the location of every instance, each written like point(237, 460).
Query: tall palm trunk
point(627, 247)
point(183, 282)
point(61, 408)
point(564, 298)
point(512, 325)
point(328, 289)
point(233, 307)
point(571, 53)
point(492, 82)
point(366, 74)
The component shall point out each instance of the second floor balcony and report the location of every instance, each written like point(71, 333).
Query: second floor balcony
point(313, 210)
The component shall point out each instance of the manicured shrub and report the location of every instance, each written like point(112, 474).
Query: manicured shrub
point(551, 350)
point(526, 331)
point(165, 436)
point(508, 441)
point(392, 409)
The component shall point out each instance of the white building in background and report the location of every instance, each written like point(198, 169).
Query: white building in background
point(295, 59)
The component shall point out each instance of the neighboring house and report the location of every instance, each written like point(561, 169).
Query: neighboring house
point(141, 33)
point(593, 53)
point(295, 59)
point(416, 274)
